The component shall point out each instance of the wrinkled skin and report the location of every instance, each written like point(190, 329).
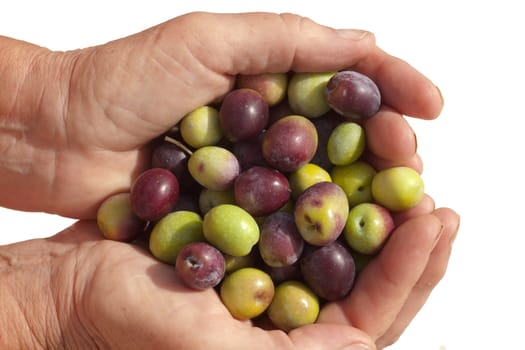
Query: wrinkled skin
point(74, 129)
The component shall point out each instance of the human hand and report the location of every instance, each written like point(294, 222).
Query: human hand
point(97, 108)
point(82, 291)
point(127, 299)
point(123, 94)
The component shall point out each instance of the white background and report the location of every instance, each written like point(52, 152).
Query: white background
point(472, 50)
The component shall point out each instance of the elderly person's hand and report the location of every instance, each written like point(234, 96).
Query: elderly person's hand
point(75, 127)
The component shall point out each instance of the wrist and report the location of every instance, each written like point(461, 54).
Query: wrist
point(34, 83)
point(31, 82)
point(37, 297)
point(28, 317)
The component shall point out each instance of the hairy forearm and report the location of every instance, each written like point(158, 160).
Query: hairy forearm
point(32, 95)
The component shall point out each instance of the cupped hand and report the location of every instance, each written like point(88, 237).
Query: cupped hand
point(117, 296)
point(111, 100)
point(113, 295)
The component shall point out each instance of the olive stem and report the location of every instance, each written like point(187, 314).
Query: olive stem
point(178, 143)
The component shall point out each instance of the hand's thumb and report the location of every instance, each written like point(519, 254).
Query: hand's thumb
point(331, 337)
point(253, 43)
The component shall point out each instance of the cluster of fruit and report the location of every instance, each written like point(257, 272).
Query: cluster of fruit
point(266, 195)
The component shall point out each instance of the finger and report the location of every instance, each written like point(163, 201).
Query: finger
point(384, 285)
point(426, 206)
point(415, 162)
point(389, 136)
point(330, 336)
point(314, 337)
point(432, 274)
point(254, 43)
point(402, 86)
point(265, 42)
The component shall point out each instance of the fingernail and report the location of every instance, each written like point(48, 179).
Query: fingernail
point(356, 346)
point(455, 232)
point(438, 236)
point(440, 95)
point(415, 141)
point(354, 34)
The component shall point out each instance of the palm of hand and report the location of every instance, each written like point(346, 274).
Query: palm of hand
point(128, 296)
point(102, 142)
point(126, 299)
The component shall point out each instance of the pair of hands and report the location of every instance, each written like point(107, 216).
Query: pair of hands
point(94, 111)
